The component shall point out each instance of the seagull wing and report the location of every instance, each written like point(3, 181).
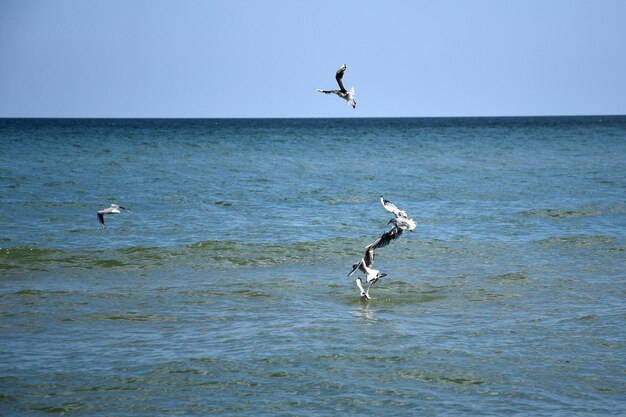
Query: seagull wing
point(390, 207)
point(339, 77)
point(386, 238)
point(368, 258)
point(101, 219)
point(356, 266)
point(328, 91)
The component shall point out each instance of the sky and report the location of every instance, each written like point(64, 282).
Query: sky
point(238, 58)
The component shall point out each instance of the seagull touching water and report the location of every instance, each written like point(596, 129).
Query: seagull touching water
point(371, 275)
point(114, 209)
point(401, 222)
point(342, 92)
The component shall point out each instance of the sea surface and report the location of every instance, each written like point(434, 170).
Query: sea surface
point(225, 290)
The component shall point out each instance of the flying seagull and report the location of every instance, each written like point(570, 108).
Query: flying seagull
point(371, 275)
point(342, 92)
point(114, 209)
point(402, 219)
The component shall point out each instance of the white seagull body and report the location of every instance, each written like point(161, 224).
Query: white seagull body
point(114, 209)
point(402, 219)
point(342, 92)
point(371, 275)
point(403, 223)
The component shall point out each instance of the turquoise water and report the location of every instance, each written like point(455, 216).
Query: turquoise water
point(224, 292)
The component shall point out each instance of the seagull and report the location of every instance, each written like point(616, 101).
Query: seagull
point(342, 92)
point(371, 275)
point(402, 219)
point(114, 209)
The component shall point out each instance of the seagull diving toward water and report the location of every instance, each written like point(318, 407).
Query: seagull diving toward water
point(401, 222)
point(371, 275)
point(114, 209)
point(342, 92)
point(402, 219)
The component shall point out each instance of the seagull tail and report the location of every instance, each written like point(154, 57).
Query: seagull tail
point(351, 100)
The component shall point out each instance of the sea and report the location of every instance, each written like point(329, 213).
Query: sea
point(224, 291)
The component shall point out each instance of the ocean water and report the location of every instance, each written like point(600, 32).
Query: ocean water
point(225, 292)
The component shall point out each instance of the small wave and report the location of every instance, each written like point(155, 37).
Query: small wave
point(223, 203)
point(203, 254)
point(341, 200)
point(513, 276)
point(427, 377)
point(133, 316)
point(30, 293)
point(25, 258)
point(70, 407)
point(251, 294)
point(562, 213)
point(581, 241)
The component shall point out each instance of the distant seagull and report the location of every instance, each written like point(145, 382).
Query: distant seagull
point(371, 275)
point(402, 219)
point(342, 92)
point(114, 209)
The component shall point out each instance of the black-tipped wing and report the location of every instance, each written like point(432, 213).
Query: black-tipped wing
point(386, 238)
point(368, 258)
point(339, 77)
point(366, 261)
point(328, 91)
point(356, 266)
point(101, 219)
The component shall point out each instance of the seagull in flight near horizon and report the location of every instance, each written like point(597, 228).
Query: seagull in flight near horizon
point(342, 92)
point(114, 209)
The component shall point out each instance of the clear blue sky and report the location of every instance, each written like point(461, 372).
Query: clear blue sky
point(235, 58)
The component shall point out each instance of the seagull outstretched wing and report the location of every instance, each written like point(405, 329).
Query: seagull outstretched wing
point(390, 207)
point(101, 219)
point(339, 78)
point(386, 238)
point(327, 91)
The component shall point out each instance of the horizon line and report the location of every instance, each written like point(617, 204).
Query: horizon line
point(297, 117)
